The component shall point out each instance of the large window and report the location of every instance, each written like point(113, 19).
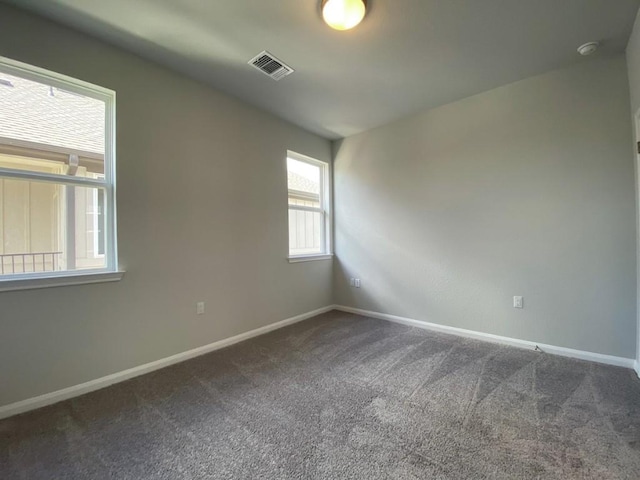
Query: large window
point(309, 207)
point(57, 175)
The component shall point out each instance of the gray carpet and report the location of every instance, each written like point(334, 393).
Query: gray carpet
point(342, 396)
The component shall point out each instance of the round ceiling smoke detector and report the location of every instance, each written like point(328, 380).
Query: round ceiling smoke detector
point(588, 48)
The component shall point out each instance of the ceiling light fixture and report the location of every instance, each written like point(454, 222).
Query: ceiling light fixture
point(343, 14)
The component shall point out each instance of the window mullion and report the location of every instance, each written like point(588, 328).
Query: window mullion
point(304, 208)
point(51, 178)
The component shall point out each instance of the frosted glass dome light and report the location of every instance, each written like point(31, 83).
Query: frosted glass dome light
point(343, 14)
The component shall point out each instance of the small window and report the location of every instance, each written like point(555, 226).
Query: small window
point(309, 207)
point(57, 175)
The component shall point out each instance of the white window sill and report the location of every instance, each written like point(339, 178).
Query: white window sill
point(24, 282)
point(310, 258)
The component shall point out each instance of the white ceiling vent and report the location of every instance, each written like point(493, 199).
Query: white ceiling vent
point(270, 65)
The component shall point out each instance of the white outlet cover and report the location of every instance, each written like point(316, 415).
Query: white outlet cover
point(518, 302)
point(200, 308)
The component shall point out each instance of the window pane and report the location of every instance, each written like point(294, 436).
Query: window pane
point(303, 177)
point(89, 227)
point(305, 232)
point(48, 123)
point(47, 227)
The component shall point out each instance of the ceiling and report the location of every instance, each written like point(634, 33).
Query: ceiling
point(407, 55)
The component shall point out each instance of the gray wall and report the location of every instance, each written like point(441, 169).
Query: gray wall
point(523, 190)
point(633, 65)
point(190, 162)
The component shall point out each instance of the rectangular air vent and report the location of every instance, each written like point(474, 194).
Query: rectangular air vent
point(270, 65)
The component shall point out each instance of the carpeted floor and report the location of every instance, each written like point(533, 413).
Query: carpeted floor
point(342, 396)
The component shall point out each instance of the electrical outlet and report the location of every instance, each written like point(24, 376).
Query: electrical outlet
point(357, 282)
point(518, 302)
point(200, 308)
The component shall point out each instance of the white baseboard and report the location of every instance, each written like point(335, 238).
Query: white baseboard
point(92, 385)
point(565, 352)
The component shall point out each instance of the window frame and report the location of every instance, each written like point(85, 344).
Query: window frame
point(325, 200)
point(110, 271)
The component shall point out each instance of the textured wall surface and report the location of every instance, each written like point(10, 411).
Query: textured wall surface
point(202, 216)
point(633, 65)
point(524, 190)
